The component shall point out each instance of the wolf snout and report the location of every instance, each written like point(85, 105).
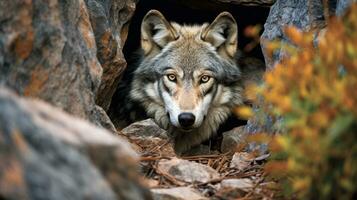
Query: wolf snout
point(186, 119)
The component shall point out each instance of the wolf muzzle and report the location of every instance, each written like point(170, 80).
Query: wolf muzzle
point(186, 120)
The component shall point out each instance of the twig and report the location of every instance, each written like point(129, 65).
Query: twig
point(169, 177)
point(154, 158)
point(221, 163)
point(201, 157)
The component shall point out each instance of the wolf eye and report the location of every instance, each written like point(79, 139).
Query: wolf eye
point(205, 79)
point(171, 77)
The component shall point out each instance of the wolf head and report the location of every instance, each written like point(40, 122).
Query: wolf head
point(188, 79)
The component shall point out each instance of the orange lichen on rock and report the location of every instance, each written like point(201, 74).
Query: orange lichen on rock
point(12, 180)
point(23, 44)
point(12, 183)
point(85, 27)
point(37, 82)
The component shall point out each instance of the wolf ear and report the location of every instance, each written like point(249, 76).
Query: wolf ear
point(156, 32)
point(222, 34)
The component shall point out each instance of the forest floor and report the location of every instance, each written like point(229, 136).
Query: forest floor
point(231, 175)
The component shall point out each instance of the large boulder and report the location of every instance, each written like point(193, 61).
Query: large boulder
point(304, 14)
point(47, 154)
point(66, 52)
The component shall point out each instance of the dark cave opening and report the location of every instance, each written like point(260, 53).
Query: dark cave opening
point(187, 12)
point(195, 12)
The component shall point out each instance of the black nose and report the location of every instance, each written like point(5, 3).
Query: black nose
point(186, 119)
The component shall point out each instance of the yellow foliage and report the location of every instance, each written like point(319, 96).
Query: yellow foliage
point(243, 112)
point(314, 90)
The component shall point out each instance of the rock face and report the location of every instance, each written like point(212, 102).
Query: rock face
point(304, 14)
point(47, 154)
point(59, 50)
point(110, 23)
point(342, 5)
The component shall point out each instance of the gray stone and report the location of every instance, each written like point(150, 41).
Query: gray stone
point(178, 193)
point(48, 51)
point(235, 188)
point(243, 183)
point(47, 154)
point(241, 160)
point(145, 128)
point(187, 171)
point(148, 138)
point(110, 22)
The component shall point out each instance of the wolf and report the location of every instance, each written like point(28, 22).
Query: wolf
point(188, 78)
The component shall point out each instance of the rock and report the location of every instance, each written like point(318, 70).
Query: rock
point(241, 160)
point(234, 188)
point(342, 6)
point(243, 183)
point(49, 50)
point(149, 138)
point(110, 23)
point(187, 171)
point(145, 128)
point(233, 139)
point(304, 14)
point(178, 193)
point(47, 154)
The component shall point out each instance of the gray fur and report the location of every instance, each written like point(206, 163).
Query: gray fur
point(188, 53)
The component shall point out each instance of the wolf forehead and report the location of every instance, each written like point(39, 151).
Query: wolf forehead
point(189, 53)
point(190, 57)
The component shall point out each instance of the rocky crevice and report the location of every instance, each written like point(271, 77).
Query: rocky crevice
point(60, 64)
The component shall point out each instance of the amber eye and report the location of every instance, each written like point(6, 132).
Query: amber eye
point(205, 79)
point(171, 77)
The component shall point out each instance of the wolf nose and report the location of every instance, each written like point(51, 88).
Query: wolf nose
point(186, 119)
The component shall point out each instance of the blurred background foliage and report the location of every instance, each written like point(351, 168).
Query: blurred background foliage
point(313, 90)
